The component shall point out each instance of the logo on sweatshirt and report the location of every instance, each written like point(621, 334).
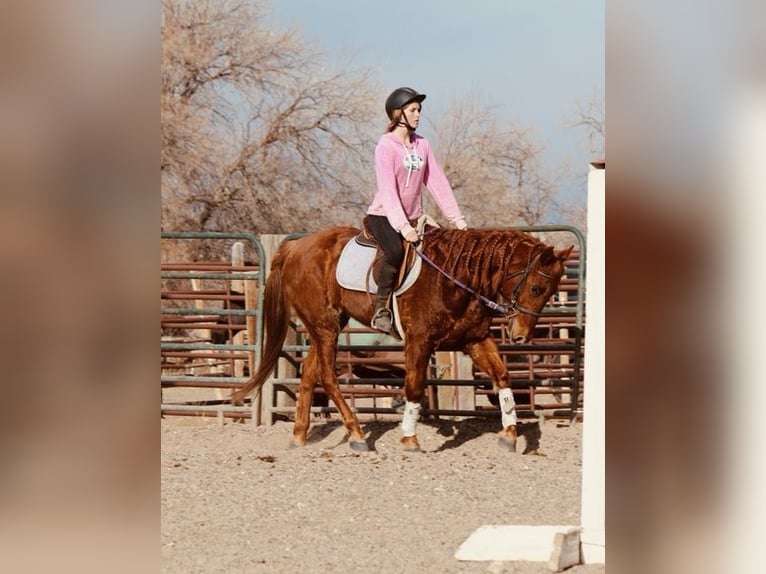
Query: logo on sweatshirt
point(413, 161)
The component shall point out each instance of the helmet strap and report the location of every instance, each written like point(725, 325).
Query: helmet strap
point(405, 123)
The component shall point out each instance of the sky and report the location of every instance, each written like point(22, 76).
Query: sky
point(532, 60)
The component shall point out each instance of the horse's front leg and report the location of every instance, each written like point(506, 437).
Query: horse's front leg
point(487, 358)
point(416, 361)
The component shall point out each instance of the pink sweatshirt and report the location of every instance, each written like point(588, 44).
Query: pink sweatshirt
point(401, 173)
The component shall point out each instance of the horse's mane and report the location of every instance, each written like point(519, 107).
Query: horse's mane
point(477, 257)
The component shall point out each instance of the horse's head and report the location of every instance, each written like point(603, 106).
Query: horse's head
point(528, 290)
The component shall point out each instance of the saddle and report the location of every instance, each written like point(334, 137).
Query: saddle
point(360, 261)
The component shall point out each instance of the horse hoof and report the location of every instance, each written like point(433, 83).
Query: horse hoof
point(535, 452)
point(506, 443)
point(359, 445)
point(410, 444)
point(294, 444)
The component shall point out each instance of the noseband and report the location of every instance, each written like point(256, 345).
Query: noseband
point(509, 311)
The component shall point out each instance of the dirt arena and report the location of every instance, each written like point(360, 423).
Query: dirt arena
point(236, 499)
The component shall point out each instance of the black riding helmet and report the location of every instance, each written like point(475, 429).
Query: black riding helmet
point(400, 98)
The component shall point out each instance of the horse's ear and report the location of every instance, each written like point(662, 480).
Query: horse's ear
point(563, 255)
point(547, 256)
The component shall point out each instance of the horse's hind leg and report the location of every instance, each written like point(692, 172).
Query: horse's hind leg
point(487, 358)
point(326, 365)
point(309, 377)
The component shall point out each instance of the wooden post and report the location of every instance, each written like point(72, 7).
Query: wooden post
point(199, 334)
point(456, 366)
point(466, 396)
point(445, 395)
point(197, 285)
point(237, 260)
point(238, 286)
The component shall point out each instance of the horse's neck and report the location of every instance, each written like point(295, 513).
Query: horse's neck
point(474, 260)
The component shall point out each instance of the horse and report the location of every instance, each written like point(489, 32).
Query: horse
point(471, 276)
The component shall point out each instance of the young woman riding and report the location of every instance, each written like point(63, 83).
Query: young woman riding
point(404, 164)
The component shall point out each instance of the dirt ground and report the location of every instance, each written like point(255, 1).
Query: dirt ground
point(236, 498)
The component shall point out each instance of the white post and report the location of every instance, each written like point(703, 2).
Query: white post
point(592, 513)
point(559, 544)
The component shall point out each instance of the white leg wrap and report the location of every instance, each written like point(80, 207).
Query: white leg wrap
point(507, 407)
point(410, 418)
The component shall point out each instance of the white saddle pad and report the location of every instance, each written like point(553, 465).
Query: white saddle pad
point(354, 267)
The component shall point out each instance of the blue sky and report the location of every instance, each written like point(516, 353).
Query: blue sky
point(533, 60)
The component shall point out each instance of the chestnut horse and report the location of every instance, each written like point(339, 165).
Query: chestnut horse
point(467, 278)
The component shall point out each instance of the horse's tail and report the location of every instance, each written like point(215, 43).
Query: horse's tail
point(276, 321)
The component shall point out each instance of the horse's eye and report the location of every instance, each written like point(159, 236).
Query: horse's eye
point(536, 291)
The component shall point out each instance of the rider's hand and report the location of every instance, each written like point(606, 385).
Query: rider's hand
point(461, 224)
point(412, 236)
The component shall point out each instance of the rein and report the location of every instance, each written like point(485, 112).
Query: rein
point(509, 311)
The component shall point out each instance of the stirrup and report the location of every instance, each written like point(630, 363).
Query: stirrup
point(381, 321)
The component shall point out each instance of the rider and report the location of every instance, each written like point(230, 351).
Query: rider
point(404, 163)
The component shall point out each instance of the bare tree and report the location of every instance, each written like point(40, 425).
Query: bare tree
point(574, 213)
point(590, 116)
point(256, 135)
point(495, 169)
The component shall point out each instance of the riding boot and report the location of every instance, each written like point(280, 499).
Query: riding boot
point(382, 319)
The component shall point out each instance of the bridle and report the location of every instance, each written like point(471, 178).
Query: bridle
point(509, 311)
point(514, 296)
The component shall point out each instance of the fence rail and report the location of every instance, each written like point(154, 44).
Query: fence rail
point(211, 322)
